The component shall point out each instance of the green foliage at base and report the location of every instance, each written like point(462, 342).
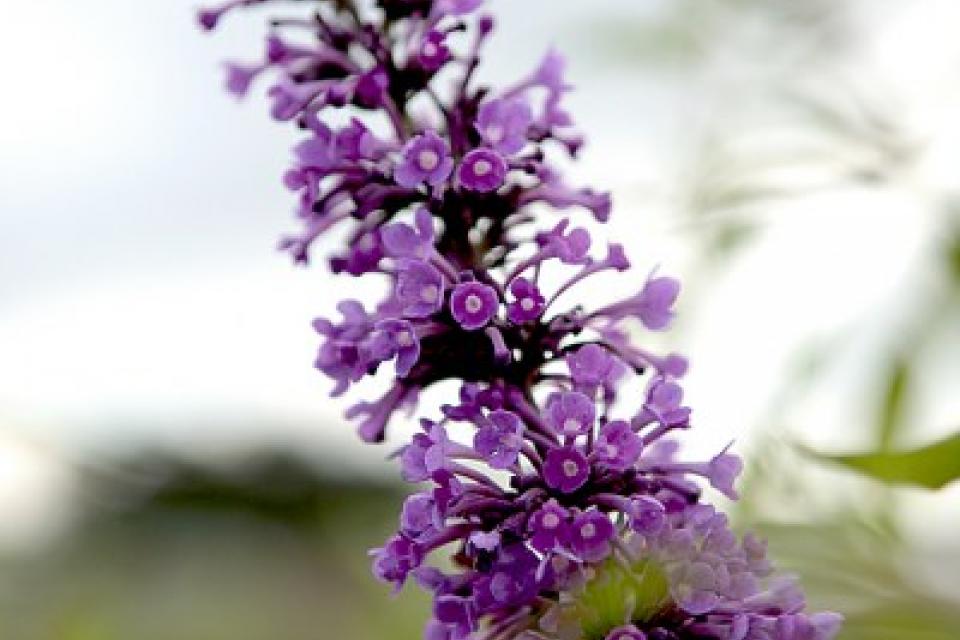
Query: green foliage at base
point(619, 594)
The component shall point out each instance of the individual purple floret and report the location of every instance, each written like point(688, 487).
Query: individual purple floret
point(394, 562)
point(653, 306)
point(565, 469)
point(433, 52)
point(663, 404)
point(647, 515)
point(418, 516)
point(590, 535)
point(549, 528)
point(500, 440)
point(722, 471)
point(419, 289)
point(618, 447)
point(556, 503)
point(400, 240)
point(570, 413)
point(473, 304)
point(396, 338)
point(528, 302)
point(425, 158)
point(482, 170)
point(591, 367)
point(504, 124)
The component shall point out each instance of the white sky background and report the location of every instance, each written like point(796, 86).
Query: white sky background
point(141, 299)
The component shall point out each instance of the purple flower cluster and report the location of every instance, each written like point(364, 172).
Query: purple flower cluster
point(565, 515)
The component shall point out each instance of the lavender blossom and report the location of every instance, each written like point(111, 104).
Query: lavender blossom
point(567, 510)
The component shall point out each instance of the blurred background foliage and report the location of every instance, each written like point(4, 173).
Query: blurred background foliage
point(268, 545)
point(821, 130)
point(261, 547)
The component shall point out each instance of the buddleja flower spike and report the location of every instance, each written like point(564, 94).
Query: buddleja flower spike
point(566, 512)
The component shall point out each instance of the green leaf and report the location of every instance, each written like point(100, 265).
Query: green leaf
point(932, 466)
point(892, 409)
point(953, 257)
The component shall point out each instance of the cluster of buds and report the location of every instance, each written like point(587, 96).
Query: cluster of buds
point(551, 510)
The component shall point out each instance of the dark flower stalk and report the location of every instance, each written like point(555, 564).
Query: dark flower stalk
point(565, 514)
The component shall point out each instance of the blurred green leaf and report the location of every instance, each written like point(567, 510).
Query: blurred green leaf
point(932, 466)
point(730, 236)
point(654, 43)
point(723, 195)
point(893, 403)
point(953, 257)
